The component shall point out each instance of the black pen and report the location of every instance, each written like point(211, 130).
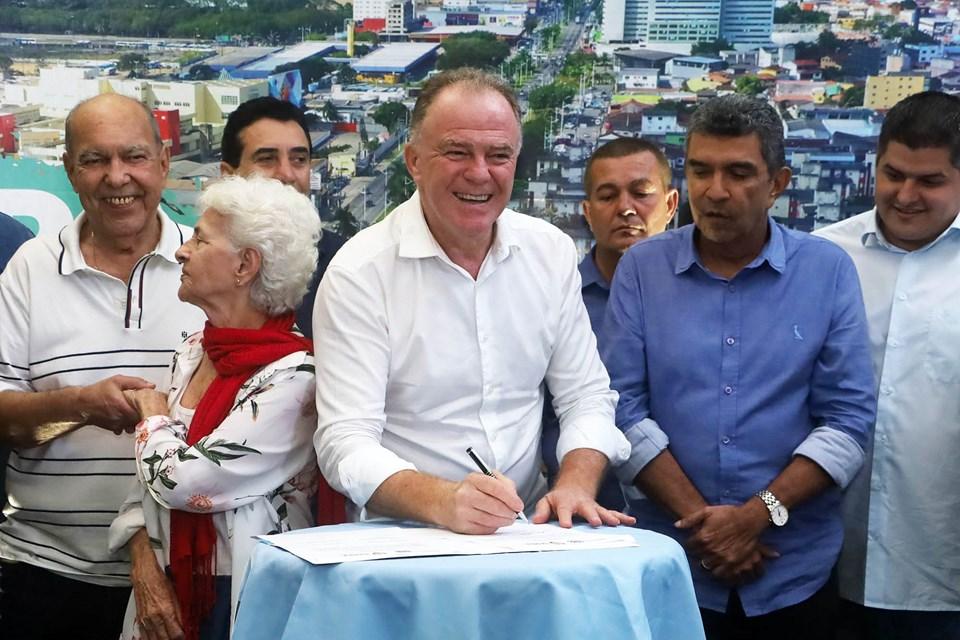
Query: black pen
point(485, 470)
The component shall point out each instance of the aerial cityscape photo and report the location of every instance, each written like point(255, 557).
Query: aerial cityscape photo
point(479, 319)
point(586, 73)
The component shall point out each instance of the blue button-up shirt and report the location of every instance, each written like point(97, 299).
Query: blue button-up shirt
point(595, 291)
point(739, 376)
point(12, 235)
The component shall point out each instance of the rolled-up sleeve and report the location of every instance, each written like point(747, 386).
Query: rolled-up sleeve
point(842, 390)
point(577, 379)
point(353, 357)
point(623, 348)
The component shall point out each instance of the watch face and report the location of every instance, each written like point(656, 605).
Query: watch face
point(779, 515)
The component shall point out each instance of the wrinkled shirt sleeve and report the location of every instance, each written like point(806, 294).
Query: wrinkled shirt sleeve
point(842, 390)
point(351, 339)
point(577, 379)
point(623, 348)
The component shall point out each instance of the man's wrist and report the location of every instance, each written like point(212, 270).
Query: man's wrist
point(76, 399)
point(758, 514)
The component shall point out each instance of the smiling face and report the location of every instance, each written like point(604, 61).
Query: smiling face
point(463, 160)
point(731, 189)
point(274, 149)
point(116, 165)
point(627, 201)
point(917, 194)
point(210, 263)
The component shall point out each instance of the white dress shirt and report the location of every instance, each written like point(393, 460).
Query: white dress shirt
point(902, 515)
point(416, 360)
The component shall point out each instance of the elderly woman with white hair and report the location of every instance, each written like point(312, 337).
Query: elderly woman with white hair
point(224, 451)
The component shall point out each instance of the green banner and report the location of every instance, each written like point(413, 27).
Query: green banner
point(40, 196)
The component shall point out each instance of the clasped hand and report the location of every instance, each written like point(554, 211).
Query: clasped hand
point(727, 540)
point(107, 405)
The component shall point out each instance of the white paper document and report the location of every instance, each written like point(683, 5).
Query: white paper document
point(330, 546)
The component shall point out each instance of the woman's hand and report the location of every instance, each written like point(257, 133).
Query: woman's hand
point(148, 402)
point(158, 612)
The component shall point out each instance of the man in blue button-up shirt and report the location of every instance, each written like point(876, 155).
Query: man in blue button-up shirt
point(629, 198)
point(739, 349)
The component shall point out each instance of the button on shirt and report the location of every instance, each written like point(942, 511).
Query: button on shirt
point(595, 291)
point(902, 512)
point(416, 360)
point(737, 377)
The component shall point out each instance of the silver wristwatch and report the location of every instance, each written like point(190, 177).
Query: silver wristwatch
point(778, 513)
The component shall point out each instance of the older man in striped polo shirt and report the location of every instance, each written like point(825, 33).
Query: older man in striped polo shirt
point(85, 314)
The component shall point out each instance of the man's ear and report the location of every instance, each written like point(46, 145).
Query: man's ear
point(781, 180)
point(226, 169)
point(70, 167)
point(673, 202)
point(411, 158)
point(585, 207)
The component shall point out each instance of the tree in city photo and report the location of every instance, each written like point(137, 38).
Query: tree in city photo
point(6, 63)
point(712, 48)
point(134, 62)
point(907, 34)
point(329, 112)
point(475, 49)
point(391, 115)
point(531, 150)
point(311, 69)
point(201, 72)
point(792, 13)
point(748, 85)
point(550, 35)
point(346, 74)
point(345, 223)
point(587, 65)
point(852, 97)
point(551, 96)
point(400, 185)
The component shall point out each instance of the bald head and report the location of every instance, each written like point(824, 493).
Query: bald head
point(123, 106)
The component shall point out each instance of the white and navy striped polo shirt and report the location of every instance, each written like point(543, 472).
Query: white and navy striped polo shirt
point(65, 324)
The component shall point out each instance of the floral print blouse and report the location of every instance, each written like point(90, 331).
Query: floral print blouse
point(256, 472)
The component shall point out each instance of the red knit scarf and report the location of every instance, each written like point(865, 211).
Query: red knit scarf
point(236, 354)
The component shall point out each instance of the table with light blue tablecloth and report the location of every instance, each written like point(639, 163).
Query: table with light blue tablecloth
point(629, 593)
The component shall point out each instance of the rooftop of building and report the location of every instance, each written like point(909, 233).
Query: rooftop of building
point(646, 54)
point(395, 58)
point(452, 30)
point(239, 57)
point(698, 59)
point(296, 53)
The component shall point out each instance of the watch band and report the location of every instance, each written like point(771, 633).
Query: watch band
point(768, 498)
point(778, 513)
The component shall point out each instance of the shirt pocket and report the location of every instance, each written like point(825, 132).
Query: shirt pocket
point(941, 353)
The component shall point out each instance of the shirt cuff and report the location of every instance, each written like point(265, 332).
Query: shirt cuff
point(837, 453)
point(124, 526)
point(364, 470)
point(647, 440)
point(596, 434)
point(151, 424)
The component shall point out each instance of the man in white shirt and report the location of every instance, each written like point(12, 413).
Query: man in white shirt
point(436, 329)
point(84, 315)
point(900, 567)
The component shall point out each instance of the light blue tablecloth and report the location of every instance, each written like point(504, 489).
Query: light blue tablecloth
point(636, 593)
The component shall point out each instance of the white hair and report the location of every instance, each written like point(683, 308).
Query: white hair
point(281, 224)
